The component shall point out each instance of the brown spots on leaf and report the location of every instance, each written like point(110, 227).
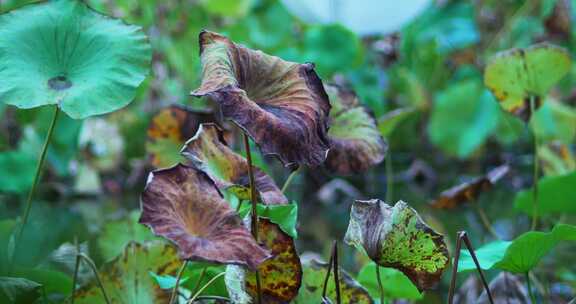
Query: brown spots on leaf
point(355, 141)
point(183, 205)
point(208, 152)
point(469, 191)
point(281, 105)
point(281, 275)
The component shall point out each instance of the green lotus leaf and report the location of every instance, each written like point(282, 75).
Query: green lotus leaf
point(64, 53)
point(355, 142)
point(182, 204)
point(518, 75)
point(280, 276)
point(18, 290)
point(397, 237)
point(557, 159)
point(281, 105)
point(520, 255)
point(126, 279)
point(556, 195)
point(169, 129)
point(395, 284)
point(313, 279)
point(208, 151)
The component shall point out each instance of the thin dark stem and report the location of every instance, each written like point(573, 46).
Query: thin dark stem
point(485, 220)
point(202, 274)
point(462, 236)
point(39, 167)
point(335, 269)
point(536, 167)
point(289, 180)
point(253, 198)
point(325, 285)
point(389, 177)
point(76, 268)
point(529, 286)
point(380, 284)
point(175, 290)
point(95, 270)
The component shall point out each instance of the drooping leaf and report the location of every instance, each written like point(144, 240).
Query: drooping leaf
point(471, 190)
point(518, 75)
point(355, 143)
point(395, 284)
point(313, 279)
point(280, 276)
point(169, 129)
point(281, 105)
point(387, 123)
point(64, 53)
point(208, 152)
point(117, 234)
point(461, 135)
point(505, 288)
point(397, 237)
point(520, 255)
point(556, 195)
point(183, 205)
point(285, 216)
point(52, 281)
point(18, 290)
point(126, 279)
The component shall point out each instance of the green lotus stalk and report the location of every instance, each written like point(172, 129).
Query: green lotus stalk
point(289, 180)
point(173, 296)
point(253, 198)
point(197, 294)
point(536, 171)
point(37, 175)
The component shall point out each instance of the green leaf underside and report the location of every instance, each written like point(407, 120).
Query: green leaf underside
point(127, 279)
point(556, 195)
point(516, 75)
point(285, 216)
point(522, 254)
point(395, 284)
point(18, 290)
point(62, 52)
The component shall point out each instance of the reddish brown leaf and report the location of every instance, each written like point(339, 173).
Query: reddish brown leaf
point(183, 205)
point(469, 191)
point(355, 141)
point(208, 152)
point(281, 105)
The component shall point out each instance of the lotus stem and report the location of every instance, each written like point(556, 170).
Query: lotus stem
point(336, 273)
point(39, 166)
point(379, 280)
point(462, 236)
point(389, 177)
point(76, 268)
point(180, 272)
point(536, 168)
point(95, 270)
point(197, 294)
point(254, 221)
point(529, 286)
point(327, 277)
point(289, 180)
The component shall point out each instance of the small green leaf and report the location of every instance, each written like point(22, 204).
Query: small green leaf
point(285, 216)
point(522, 254)
point(167, 281)
point(64, 53)
point(388, 123)
point(395, 284)
point(556, 195)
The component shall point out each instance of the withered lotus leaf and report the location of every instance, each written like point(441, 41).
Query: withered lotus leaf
point(397, 237)
point(208, 152)
point(168, 131)
point(471, 190)
point(355, 141)
point(126, 278)
point(311, 292)
point(281, 105)
point(280, 276)
point(183, 205)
